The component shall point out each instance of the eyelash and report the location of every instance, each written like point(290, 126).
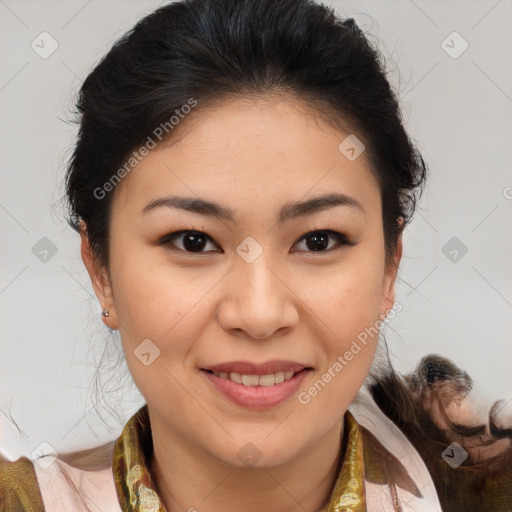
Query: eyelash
point(342, 239)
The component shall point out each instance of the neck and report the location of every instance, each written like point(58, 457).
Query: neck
point(188, 480)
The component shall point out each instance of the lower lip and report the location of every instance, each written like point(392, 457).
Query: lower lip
point(257, 397)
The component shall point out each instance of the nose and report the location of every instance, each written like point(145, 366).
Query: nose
point(257, 301)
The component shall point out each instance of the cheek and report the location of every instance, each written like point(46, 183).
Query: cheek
point(167, 305)
point(144, 285)
point(347, 309)
point(157, 317)
point(346, 299)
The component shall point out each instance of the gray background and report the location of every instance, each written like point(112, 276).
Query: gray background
point(457, 109)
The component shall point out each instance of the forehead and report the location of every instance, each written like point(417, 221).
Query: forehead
point(254, 149)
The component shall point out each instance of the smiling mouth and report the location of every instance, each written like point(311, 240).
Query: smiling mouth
point(249, 380)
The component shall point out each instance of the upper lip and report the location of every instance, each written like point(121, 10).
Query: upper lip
point(248, 368)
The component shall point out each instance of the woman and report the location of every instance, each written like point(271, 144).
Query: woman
point(241, 182)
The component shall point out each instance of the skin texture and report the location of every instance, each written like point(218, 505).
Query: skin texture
point(292, 303)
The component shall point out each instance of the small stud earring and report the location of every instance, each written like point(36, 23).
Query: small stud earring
point(106, 314)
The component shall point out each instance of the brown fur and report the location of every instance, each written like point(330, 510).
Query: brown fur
point(433, 407)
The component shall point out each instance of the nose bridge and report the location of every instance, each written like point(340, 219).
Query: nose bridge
point(253, 268)
point(260, 303)
point(259, 280)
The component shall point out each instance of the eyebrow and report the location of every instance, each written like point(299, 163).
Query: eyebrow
point(289, 211)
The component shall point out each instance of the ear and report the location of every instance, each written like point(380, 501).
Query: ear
point(388, 283)
point(100, 280)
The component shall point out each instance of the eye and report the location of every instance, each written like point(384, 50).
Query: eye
point(192, 241)
point(318, 241)
point(195, 241)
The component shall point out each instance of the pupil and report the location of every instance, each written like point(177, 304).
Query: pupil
point(318, 244)
point(190, 244)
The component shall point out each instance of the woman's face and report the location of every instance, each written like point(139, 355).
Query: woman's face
point(249, 287)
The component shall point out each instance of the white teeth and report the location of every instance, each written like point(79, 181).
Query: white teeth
point(256, 380)
point(250, 380)
point(266, 380)
point(235, 377)
point(279, 377)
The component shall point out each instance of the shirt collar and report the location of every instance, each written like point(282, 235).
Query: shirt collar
point(136, 490)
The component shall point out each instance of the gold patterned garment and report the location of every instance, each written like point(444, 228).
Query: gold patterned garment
point(380, 472)
point(137, 492)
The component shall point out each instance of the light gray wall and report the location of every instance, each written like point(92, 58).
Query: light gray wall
point(459, 110)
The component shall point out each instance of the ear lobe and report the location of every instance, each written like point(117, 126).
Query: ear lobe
point(99, 277)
